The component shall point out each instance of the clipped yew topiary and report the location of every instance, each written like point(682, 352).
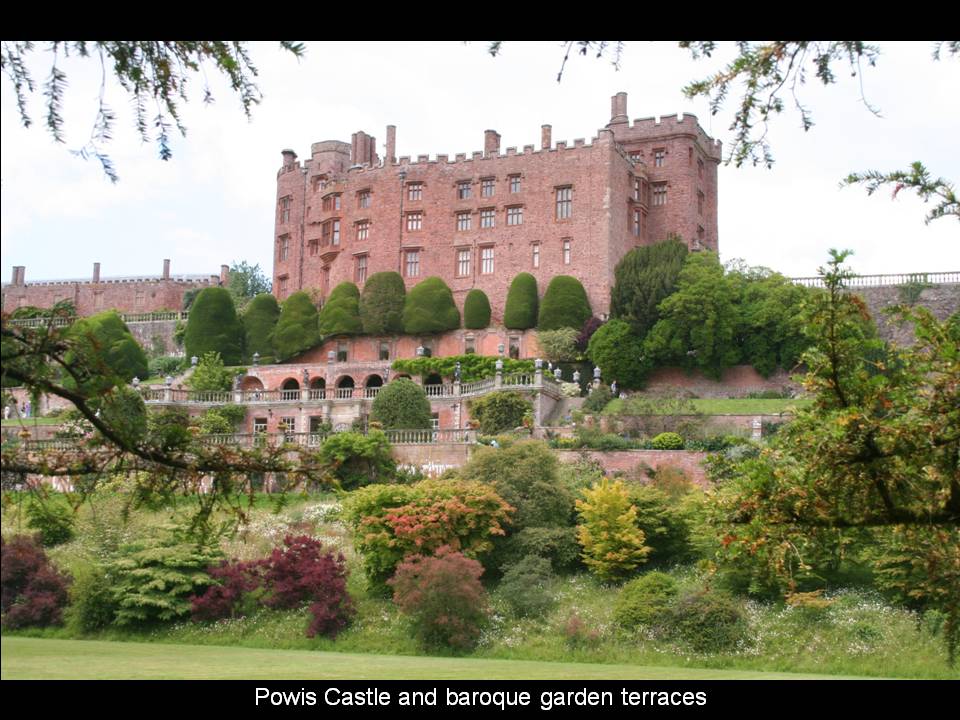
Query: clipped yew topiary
point(259, 322)
point(565, 304)
point(340, 314)
point(213, 326)
point(429, 308)
point(520, 312)
point(381, 304)
point(401, 405)
point(476, 310)
point(296, 328)
point(104, 343)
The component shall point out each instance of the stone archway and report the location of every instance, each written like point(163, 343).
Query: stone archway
point(372, 385)
point(318, 388)
point(345, 386)
point(290, 389)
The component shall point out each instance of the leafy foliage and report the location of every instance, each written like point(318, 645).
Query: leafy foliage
point(213, 326)
point(354, 459)
point(103, 344)
point(520, 311)
point(340, 314)
point(91, 606)
point(613, 545)
point(246, 281)
point(668, 441)
point(565, 304)
point(916, 178)
point(443, 596)
point(222, 419)
point(297, 328)
point(429, 308)
point(232, 580)
point(598, 399)
point(645, 600)
point(592, 324)
point(53, 522)
point(210, 375)
point(698, 322)
point(259, 322)
point(707, 620)
point(618, 351)
point(34, 592)
point(526, 586)
point(558, 345)
point(665, 524)
point(476, 310)
point(390, 522)
point(472, 367)
point(401, 404)
point(499, 411)
point(155, 578)
point(643, 279)
point(381, 304)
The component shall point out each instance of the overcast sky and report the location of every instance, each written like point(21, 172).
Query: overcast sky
point(214, 201)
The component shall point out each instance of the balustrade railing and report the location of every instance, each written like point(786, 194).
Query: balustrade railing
point(889, 280)
point(438, 390)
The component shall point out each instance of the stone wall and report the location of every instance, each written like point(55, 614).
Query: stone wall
point(736, 381)
point(626, 461)
point(941, 300)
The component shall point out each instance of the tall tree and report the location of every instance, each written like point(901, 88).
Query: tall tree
point(246, 282)
point(642, 280)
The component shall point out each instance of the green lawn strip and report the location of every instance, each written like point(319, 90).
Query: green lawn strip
point(14, 422)
point(725, 406)
point(41, 659)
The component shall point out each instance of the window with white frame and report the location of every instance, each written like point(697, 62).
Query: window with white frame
point(283, 247)
point(360, 275)
point(659, 156)
point(564, 203)
point(363, 198)
point(659, 193)
point(415, 191)
point(285, 205)
point(412, 264)
point(536, 255)
point(463, 190)
point(515, 215)
point(566, 251)
point(463, 221)
point(414, 221)
point(487, 187)
point(363, 230)
point(514, 183)
point(488, 217)
point(463, 263)
point(486, 261)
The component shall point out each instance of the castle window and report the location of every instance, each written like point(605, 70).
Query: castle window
point(659, 155)
point(288, 425)
point(700, 169)
point(463, 263)
point(283, 247)
point(285, 203)
point(536, 255)
point(384, 350)
point(413, 263)
point(463, 190)
point(636, 157)
point(700, 199)
point(282, 282)
point(463, 221)
point(259, 425)
point(331, 202)
point(363, 230)
point(415, 221)
point(514, 345)
point(659, 193)
point(564, 203)
point(360, 273)
point(314, 245)
point(341, 351)
point(636, 223)
point(515, 215)
point(487, 217)
point(486, 261)
point(514, 183)
point(363, 198)
point(487, 186)
point(336, 232)
point(566, 251)
point(140, 300)
point(469, 345)
point(415, 191)
point(690, 156)
point(637, 189)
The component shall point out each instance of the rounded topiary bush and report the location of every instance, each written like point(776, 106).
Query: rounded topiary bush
point(565, 304)
point(296, 329)
point(644, 601)
point(667, 441)
point(381, 304)
point(429, 308)
point(401, 405)
point(520, 311)
point(340, 314)
point(259, 322)
point(618, 352)
point(213, 326)
point(476, 310)
point(707, 620)
point(104, 344)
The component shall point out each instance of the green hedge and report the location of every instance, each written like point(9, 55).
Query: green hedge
point(213, 326)
point(565, 304)
point(401, 405)
point(103, 344)
point(429, 308)
point(520, 312)
point(472, 367)
point(340, 314)
point(381, 304)
point(618, 351)
point(476, 310)
point(296, 329)
point(259, 322)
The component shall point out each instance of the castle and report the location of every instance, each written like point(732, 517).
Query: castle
point(477, 221)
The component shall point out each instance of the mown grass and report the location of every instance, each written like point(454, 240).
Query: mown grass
point(30, 658)
point(719, 406)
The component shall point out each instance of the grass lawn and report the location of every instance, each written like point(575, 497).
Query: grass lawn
point(13, 422)
point(727, 406)
point(34, 658)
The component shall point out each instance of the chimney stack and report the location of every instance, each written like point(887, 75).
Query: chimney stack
point(166, 269)
point(546, 137)
point(491, 143)
point(96, 272)
point(19, 275)
point(391, 144)
point(289, 158)
point(618, 109)
point(224, 274)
